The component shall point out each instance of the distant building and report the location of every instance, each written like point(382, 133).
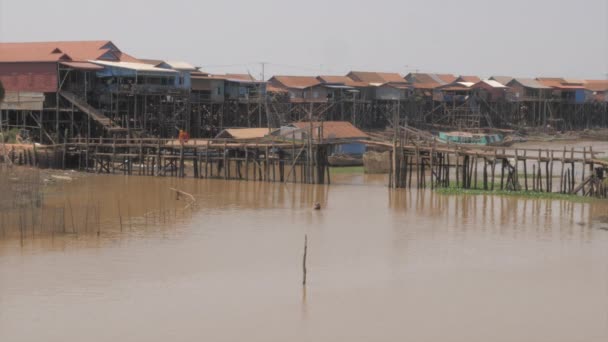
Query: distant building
point(327, 131)
point(490, 90)
point(529, 89)
point(570, 92)
point(386, 86)
point(599, 89)
point(300, 88)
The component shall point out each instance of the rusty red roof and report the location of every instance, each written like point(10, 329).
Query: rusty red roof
point(294, 82)
point(376, 77)
point(333, 130)
point(551, 81)
point(447, 78)
point(343, 80)
point(473, 79)
point(429, 81)
point(596, 85)
point(272, 89)
point(59, 51)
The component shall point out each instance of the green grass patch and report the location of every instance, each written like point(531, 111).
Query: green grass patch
point(10, 137)
point(452, 190)
point(337, 170)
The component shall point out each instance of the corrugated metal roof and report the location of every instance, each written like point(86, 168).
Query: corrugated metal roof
point(429, 81)
point(551, 81)
point(466, 84)
point(376, 77)
point(341, 80)
point(504, 80)
point(294, 82)
point(237, 78)
point(244, 133)
point(471, 79)
point(155, 62)
point(333, 130)
point(82, 65)
point(437, 79)
point(135, 66)
point(272, 89)
point(596, 85)
point(56, 51)
point(447, 78)
point(530, 83)
point(572, 81)
point(494, 84)
point(181, 65)
point(560, 83)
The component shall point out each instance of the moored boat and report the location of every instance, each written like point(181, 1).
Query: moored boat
point(467, 138)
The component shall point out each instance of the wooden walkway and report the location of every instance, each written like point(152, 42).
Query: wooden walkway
point(566, 171)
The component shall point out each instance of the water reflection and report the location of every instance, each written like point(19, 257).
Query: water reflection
point(458, 268)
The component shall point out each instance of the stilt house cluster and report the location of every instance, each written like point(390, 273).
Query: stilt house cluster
point(60, 90)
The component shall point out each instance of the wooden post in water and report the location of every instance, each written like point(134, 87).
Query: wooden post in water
point(431, 166)
point(458, 183)
point(550, 175)
point(493, 170)
point(159, 163)
point(526, 169)
point(572, 165)
point(533, 177)
point(207, 159)
point(304, 260)
point(475, 162)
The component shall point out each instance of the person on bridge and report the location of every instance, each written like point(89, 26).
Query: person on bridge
point(183, 137)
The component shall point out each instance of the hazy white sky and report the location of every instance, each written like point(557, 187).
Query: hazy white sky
point(482, 37)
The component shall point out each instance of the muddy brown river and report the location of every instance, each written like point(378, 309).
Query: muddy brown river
point(135, 264)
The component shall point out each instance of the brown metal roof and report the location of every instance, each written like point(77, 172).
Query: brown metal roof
point(272, 89)
point(504, 80)
point(240, 77)
point(529, 83)
point(596, 85)
point(376, 77)
point(57, 51)
point(473, 79)
point(244, 133)
point(155, 62)
point(551, 81)
point(429, 81)
point(343, 80)
point(333, 130)
point(447, 78)
point(294, 82)
point(420, 78)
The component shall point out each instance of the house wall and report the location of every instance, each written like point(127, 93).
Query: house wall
point(213, 88)
point(29, 77)
point(237, 90)
point(315, 93)
point(183, 80)
point(490, 93)
point(390, 93)
point(353, 149)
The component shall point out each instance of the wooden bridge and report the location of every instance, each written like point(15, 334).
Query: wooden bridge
point(412, 163)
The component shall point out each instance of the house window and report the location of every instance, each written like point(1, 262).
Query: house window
point(219, 91)
point(315, 94)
